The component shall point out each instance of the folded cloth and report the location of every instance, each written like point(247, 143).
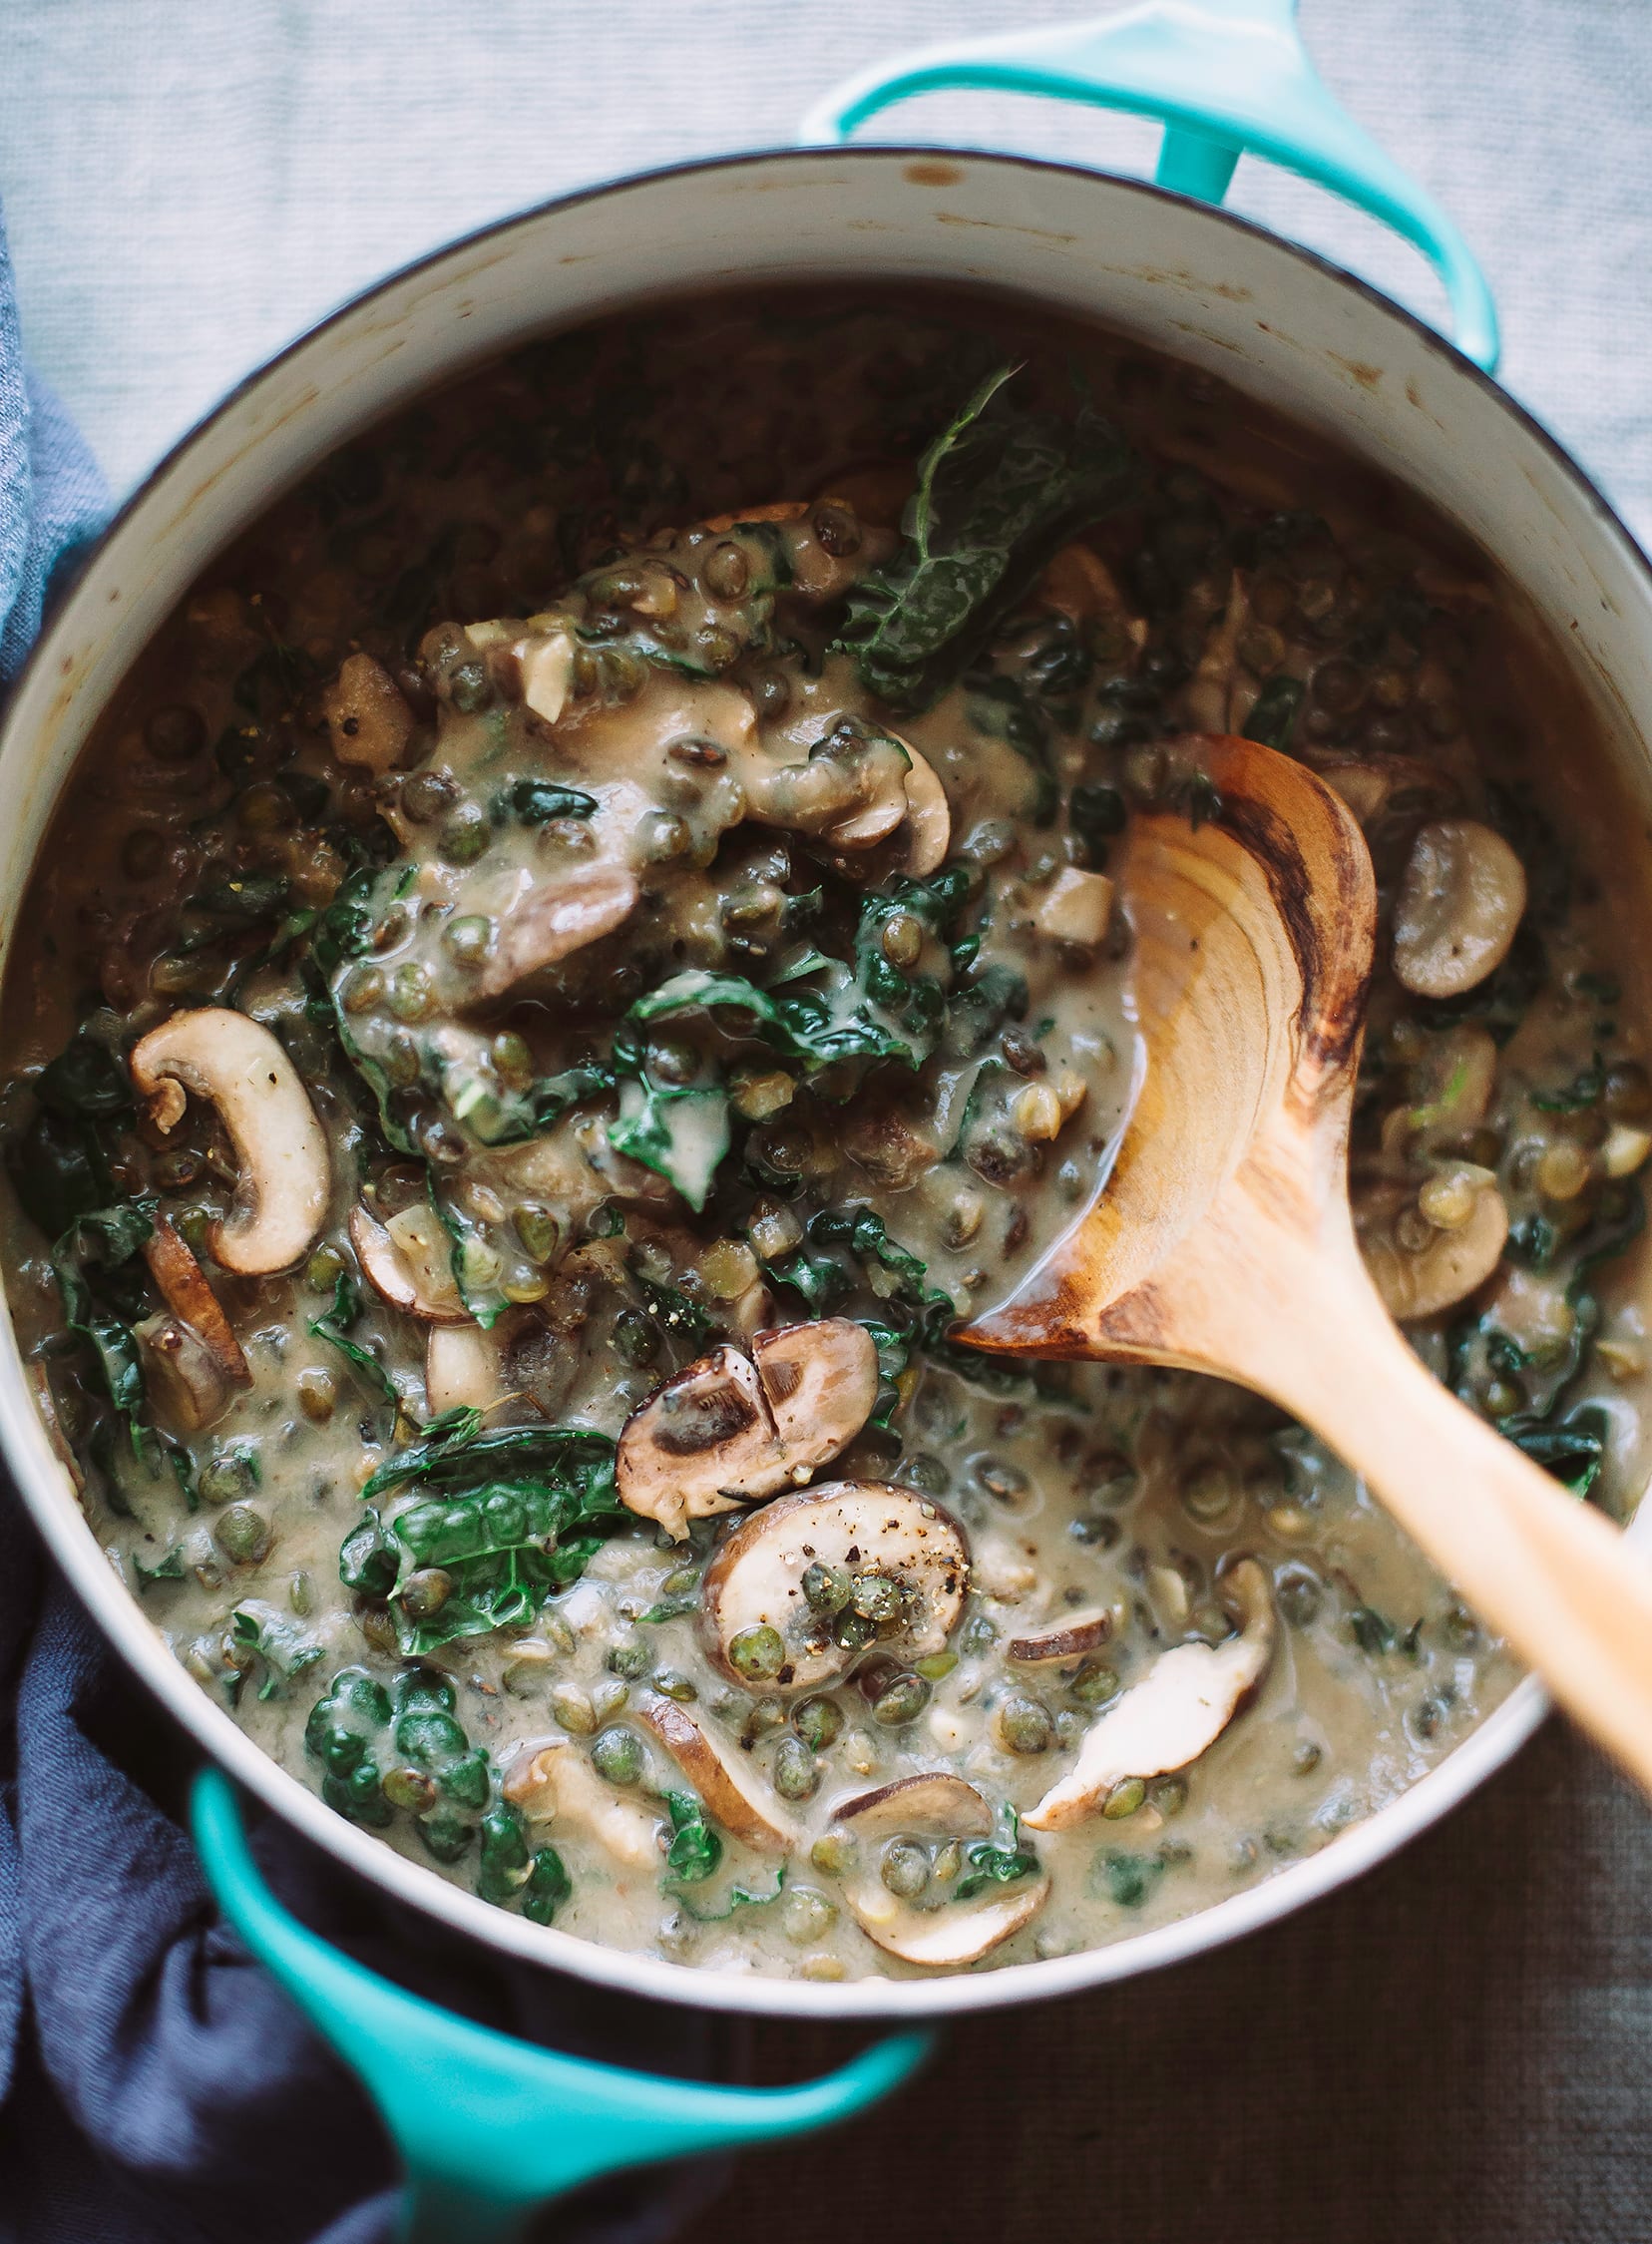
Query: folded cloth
point(155, 2086)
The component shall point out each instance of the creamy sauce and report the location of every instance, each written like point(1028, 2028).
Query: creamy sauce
point(663, 967)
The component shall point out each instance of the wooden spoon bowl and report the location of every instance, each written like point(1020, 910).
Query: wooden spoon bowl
point(1224, 1243)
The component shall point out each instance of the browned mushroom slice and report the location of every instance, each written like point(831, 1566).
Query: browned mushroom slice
point(728, 1430)
point(934, 1801)
point(557, 917)
point(216, 1054)
point(46, 1403)
point(942, 1932)
point(1177, 1712)
point(701, 1444)
point(821, 1381)
point(1068, 1638)
point(191, 1380)
point(184, 1283)
point(552, 1782)
point(368, 720)
point(734, 1796)
point(406, 1262)
point(847, 1531)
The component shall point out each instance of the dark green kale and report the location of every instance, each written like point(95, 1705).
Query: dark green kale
point(334, 1326)
point(499, 1521)
point(999, 491)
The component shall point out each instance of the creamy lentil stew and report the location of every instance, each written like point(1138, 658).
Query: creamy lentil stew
point(586, 948)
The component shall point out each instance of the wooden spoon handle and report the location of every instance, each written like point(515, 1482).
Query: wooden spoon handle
point(1547, 1572)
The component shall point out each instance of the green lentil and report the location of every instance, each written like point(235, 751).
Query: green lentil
point(616, 1756)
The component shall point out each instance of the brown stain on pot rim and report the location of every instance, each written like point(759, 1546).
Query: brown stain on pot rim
point(1367, 377)
point(306, 397)
point(927, 170)
point(1003, 225)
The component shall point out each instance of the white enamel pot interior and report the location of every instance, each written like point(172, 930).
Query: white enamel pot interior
point(1191, 280)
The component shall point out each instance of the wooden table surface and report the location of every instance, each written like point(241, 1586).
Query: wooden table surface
point(1458, 2049)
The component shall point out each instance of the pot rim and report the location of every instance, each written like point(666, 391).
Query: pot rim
point(118, 1615)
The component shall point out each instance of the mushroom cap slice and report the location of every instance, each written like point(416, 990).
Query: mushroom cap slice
point(558, 915)
point(1177, 1712)
point(948, 1938)
point(216, 1054)
point(730, 1428)
point(700, 1445)
point(734, 1795)
point(406, 1266)
point(928, 816)
point(1460, 900)
point(1449, 1268)
point(195, 1384)
point(1068, 1639)
point(46, 1403)
point(820, 1381)
point(755, 1578)
point(184, 1283)
point(552, 1782)
point(934, 1805)
point(934, 1802)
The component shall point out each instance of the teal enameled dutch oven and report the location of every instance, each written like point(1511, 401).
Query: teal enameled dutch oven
point(488, 2128)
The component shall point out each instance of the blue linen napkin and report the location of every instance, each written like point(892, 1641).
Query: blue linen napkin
point(155, 2086)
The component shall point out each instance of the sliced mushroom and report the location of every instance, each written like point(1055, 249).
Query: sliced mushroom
point(462, 1369)
point(184, 1283)
point(935, 1803)
point(196, 1387)
point(1375, 785)
point(928, 817)
point(1459, 903)
point(734, 1796)
point(731, 1427)
point(1077, 907)
point(221, 1056)
point(1205, 703)
point(1449, 1267)
point(1177, 1712)
point(553, 1783)
point(368, 720)
point(1068, 1638)
point(1080, 584)
point(47, 1404)
point(557, 917)
point(407, 1263)
point(860, 1528)
point(820, 1381)
point(947, 1933)
point(701, 1444)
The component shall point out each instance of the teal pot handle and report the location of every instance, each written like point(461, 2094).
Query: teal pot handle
point(1225, 77)
point(490, 2128)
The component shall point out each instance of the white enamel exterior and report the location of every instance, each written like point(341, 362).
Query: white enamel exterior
point(1187, 279)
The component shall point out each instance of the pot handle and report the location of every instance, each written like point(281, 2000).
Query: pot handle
point(1224, 77)
point(488, 2128)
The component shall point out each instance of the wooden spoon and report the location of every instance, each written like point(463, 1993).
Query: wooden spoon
point(1224, 1243)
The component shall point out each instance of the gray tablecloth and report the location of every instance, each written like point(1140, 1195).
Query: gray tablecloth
point(1457, 2051)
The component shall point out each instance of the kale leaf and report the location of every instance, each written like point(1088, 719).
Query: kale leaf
point(998, 491)
point(101, 1241)
point(509, 1516)
point(334, 1326)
